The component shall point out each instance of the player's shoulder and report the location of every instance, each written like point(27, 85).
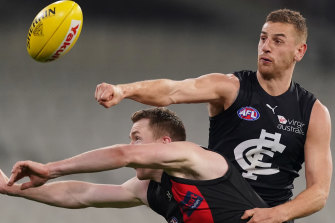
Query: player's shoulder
point(305, 99)
point(319, 110)
point(217, 76)
point(301, 91)
point(244, 74)
point(219, 80)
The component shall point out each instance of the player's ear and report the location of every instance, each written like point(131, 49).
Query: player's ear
point(300, 52)
point(166, 139)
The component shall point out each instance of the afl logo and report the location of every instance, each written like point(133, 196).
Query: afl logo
point(248, 113)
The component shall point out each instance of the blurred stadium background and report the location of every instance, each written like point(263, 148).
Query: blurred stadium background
point(48, 111)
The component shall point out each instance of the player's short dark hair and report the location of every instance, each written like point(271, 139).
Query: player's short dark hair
point(290, 17)
point(162, 122)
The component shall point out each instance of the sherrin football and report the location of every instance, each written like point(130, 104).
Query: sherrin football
point(54, 31)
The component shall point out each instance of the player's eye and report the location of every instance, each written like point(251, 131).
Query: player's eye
point(137, 139)
point(278, 41)
point(263, 38)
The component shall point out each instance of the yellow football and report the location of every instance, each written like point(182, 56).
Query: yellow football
point(54, 31)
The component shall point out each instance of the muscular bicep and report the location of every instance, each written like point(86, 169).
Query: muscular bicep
point(211, 88)
point(318, 160)
point(180, 159)
point(172, 155)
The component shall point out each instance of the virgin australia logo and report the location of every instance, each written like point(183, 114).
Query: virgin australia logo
point(251, 153)
point(290, 125)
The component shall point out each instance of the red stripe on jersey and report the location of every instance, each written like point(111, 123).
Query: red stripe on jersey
point(192, 203)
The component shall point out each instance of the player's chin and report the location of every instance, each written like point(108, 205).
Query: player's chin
point(265, 70)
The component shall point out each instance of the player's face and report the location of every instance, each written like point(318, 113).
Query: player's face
point(279, 48)
point(141, 133)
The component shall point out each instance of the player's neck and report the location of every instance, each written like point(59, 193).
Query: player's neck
point(275, 85)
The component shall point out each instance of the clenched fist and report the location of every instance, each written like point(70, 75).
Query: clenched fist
point(108, 95)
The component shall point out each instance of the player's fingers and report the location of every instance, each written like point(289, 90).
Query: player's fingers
point(14, 178)
point(27, 185)
point(103, 104)
point(106, 104)
point(107, 95)
point(247, 214)
point(19, 166)
point(16, 173)
point(251, 220)
point(99, 90)
point(96, 92)
point(11, 181)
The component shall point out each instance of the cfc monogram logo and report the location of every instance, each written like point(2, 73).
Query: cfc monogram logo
point(250, 154)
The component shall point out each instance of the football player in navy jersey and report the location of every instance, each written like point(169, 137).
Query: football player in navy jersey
point(262, 121)
point(177, 179)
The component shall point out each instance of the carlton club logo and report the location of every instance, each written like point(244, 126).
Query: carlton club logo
point(251, 153)
point(248, 113)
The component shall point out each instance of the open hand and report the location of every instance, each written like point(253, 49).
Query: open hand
point(38, 174)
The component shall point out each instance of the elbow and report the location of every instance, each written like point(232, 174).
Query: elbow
point(323, 196)
point(73, 196)
point(121, 155)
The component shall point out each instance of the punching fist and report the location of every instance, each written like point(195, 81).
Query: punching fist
point(108, 95)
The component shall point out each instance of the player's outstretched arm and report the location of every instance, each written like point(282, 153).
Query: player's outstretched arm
point(77, 194)
point(168, 156)
point(101, 159)
point(162, 92)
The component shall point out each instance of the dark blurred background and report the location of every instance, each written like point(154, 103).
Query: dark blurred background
point(48, 111)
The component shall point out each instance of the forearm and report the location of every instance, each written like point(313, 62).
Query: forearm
point(97, 160)
point(306, 203)
point(66, 194)
point(78, 194)
point(152, 92)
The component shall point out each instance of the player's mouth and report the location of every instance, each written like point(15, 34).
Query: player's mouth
point(265, 60)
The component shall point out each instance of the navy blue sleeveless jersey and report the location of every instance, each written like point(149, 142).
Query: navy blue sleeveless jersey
point(264, 136)
point(195, 201)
